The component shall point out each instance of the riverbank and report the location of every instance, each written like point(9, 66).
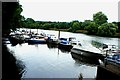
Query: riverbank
point(85, 32)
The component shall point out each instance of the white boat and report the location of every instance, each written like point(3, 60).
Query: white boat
point(87, 51)
point(52, 39)
point(73, 41)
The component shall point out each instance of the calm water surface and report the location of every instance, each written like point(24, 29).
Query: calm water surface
point(45, 61)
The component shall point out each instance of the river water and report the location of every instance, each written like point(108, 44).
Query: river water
point(47, 61)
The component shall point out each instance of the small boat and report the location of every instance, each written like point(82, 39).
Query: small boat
point(52, 39)
point(64, 43)
point(37, 40)
point(73, 41)
point(16, 39)
point(110, 50)
point(113, 59)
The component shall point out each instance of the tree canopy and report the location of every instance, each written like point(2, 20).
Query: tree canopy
point(11, 17)
point(99, 18)
point(92, 28)
point(107, 29)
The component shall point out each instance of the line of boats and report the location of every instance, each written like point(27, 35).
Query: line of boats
point(69, 44)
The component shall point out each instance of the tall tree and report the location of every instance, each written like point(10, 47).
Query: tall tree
point(11, 17)
point(30, 22)
point(99, 18)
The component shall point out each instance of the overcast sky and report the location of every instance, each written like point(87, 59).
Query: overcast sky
point(68, 10)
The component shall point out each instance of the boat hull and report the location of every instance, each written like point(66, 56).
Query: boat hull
point(88, 54)
point(65, 47)
point(36, 41)
point(52, 42)
point(85, 60)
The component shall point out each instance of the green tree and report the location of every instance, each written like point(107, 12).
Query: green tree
point(30, 23)
point(74, 25)
point(80, 25)
point(107, 29)
point(99, 18)
point(23, 23)
point(117, 24)
point(85, 23)
point(92, 28)
point(46, 26)
point(11, 17)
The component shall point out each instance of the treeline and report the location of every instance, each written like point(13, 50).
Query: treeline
point(98, 26)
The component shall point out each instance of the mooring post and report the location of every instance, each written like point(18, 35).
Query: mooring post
point(106, 57)
point(58, 34)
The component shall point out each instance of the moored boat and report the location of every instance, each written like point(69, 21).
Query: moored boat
point(93, 52)
point(36, 41)
point(113, 59)
point(52, 39)
point(64, 43)
point(16, 37)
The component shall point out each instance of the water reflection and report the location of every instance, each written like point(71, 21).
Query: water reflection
point(55, 46)
point(13, 68)
point(52, 46)
point(42, 62)
point(81, 60)
point(64, 50)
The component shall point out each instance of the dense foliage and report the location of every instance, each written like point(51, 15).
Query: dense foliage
point(92, 28)
point(99, 18)
point(11, 17)
point(107, 29)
